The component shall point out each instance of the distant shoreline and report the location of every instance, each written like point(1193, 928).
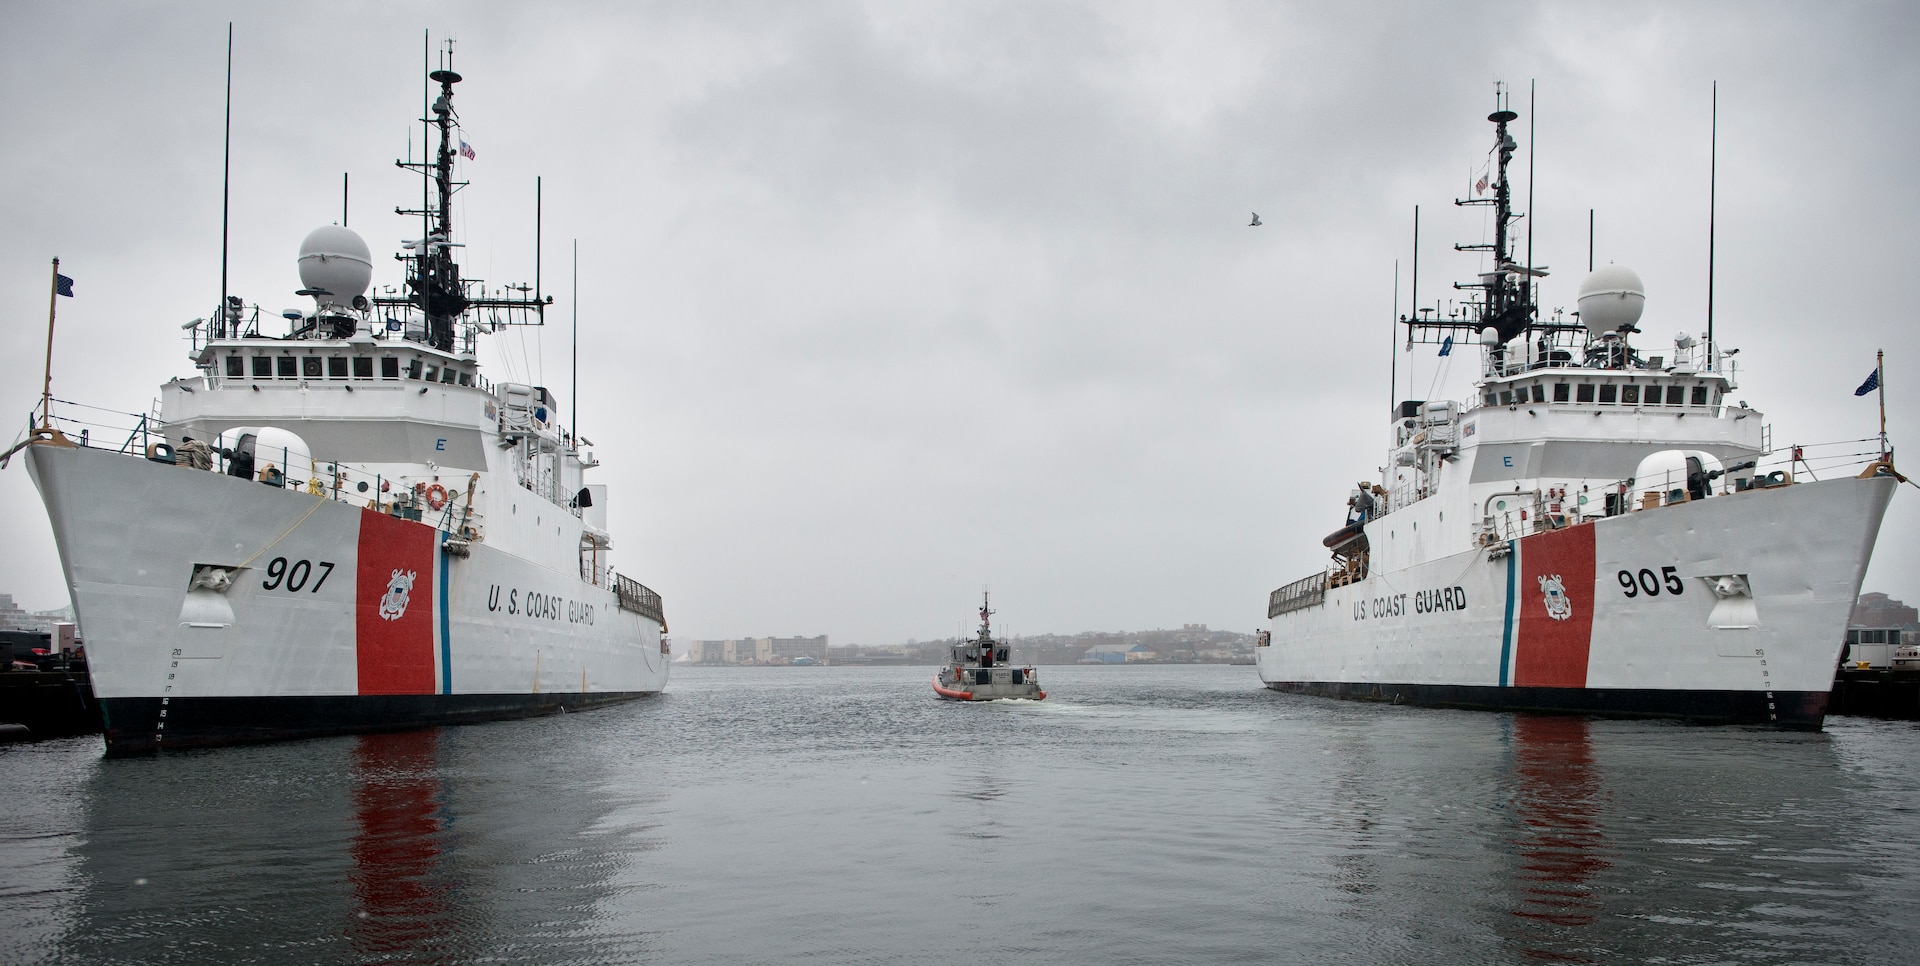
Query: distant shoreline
point(862, 664)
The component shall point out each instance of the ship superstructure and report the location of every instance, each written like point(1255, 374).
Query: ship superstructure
point(1600, 528)
point(425, 548)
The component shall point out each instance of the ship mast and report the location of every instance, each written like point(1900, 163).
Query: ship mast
point(1509, 287)
point(1507, 304)
point(434, 285)
point(437, 279)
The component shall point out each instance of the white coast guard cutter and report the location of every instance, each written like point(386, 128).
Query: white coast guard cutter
point(424, 551)
point(1598, 530)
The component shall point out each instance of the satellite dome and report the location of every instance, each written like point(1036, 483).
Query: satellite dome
point(1611, 299)
point(335, 265)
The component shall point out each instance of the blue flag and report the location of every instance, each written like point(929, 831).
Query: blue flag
point(1446, 346)
point(1872, 383)
point(62, 285)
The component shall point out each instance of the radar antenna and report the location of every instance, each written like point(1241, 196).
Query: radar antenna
point(1507, 303)
point(435, 287)
point(1509, 300)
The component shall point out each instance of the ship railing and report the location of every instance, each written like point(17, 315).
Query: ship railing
point(406, 496)
point(594, 566)
point(1804, 462)
point(277, 466)
point(1401, 496)
point(1555, 348)
point(535, 473)
point(79, 427)
point(637, 597)
point(1511, 516)
point(1800, 463)
point(1299, 595)
point(594, 573)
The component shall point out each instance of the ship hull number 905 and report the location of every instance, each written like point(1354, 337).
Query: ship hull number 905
point(1646, 582)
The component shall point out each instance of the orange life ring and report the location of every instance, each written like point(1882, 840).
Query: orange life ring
point(436, 496)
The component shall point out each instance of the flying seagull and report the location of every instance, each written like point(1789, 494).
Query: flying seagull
point(1255, 223)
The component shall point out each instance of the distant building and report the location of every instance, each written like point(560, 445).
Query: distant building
point(1880, 611)
point(1190, 643)
point(749, 650)
point(12, 618)
point(703, 652)
point(1116, 654)
point(757, 650)
point(783, 650)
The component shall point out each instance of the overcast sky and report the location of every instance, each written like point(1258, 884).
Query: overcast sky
point(880, 303)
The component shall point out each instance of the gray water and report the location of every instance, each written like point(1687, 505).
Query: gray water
point(836, 815)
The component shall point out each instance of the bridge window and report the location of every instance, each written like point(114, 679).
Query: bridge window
point(1584, 393)
point(433, 373)
point(289, 369)
point(1609, 392)
point(1676, 395)
point(389, 367)
point(1699, 395)
point(413, 369)
point(1559, 392)
point(1506, 397)
point(336, 367)
point(1630, 395)
point(236, 367)
point(310, 367)
point(363, 367)
point(446, 375)
point(1539, 393)
point(262, 367)
point(466, 378)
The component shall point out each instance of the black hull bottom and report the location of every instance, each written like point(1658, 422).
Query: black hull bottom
point(1781, 709)
point(144, 725)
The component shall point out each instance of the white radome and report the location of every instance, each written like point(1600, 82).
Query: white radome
point(1667, 469)
point(1611, 298)
point(336, 260)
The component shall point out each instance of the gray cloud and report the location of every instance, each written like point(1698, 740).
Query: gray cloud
point(883, 302)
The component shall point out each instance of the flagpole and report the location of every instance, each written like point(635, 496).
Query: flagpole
point(46, 386)
point(1880, 370)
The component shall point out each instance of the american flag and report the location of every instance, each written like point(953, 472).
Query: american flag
point(466, 150)
point(1872, 383)
point(1479, 187)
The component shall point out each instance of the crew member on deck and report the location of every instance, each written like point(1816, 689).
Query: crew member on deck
point(194, 454)
point(1362, 504)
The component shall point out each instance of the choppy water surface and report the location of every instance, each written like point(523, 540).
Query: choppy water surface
point(829, 815)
